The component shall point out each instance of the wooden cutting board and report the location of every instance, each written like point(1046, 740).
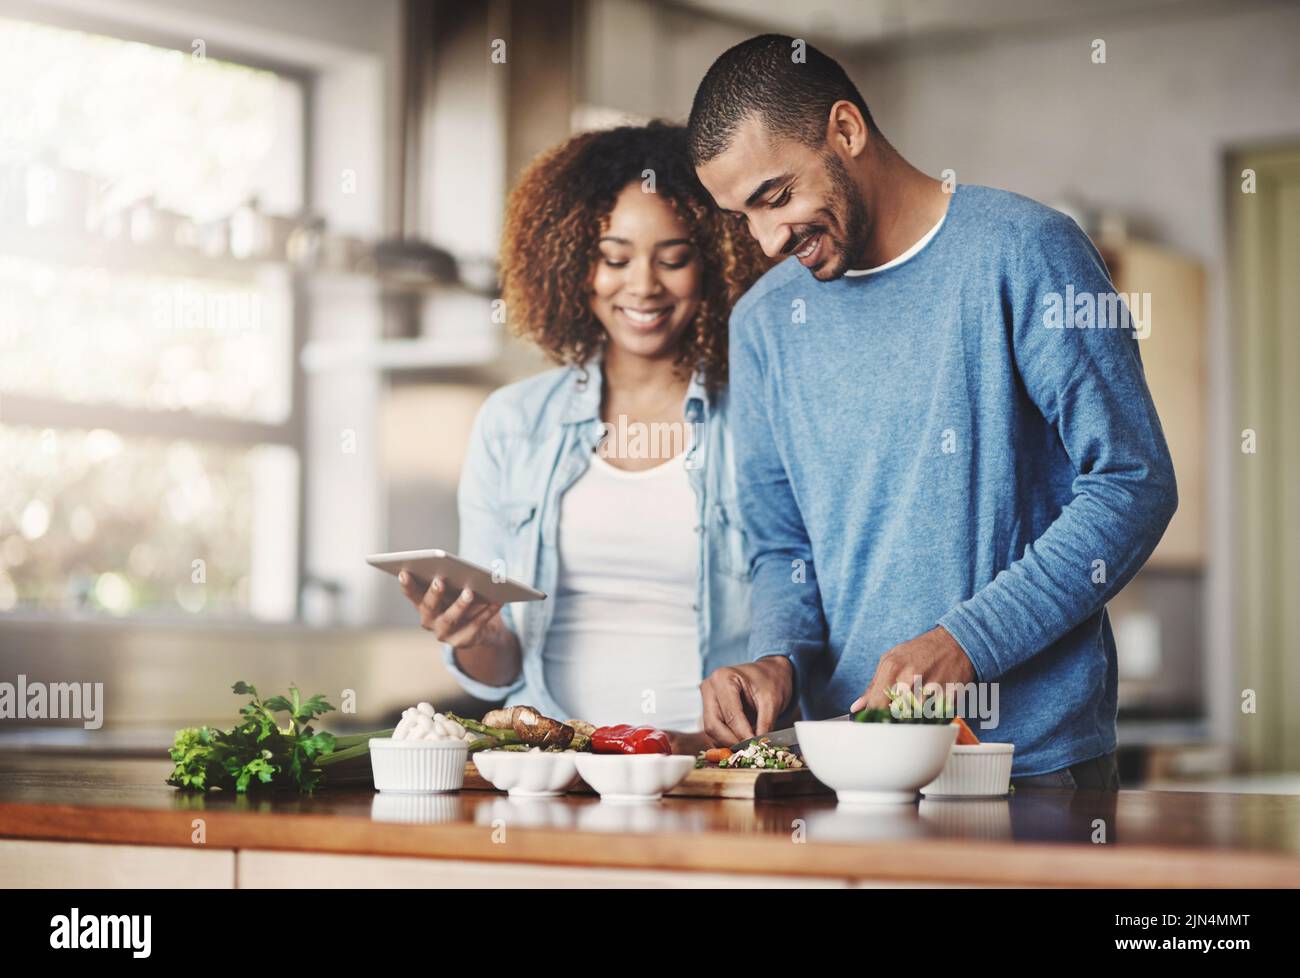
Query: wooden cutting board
point(708, 782)
point(714, 782)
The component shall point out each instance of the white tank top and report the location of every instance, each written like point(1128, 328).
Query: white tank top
point(623, 646)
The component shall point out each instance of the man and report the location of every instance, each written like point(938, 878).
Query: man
point(945, 471)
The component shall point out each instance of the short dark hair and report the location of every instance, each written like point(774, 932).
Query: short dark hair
point(761, 77)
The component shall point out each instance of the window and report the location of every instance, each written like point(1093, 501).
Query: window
point(149, 448)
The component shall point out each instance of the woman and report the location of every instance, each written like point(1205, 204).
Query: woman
point(608, 482)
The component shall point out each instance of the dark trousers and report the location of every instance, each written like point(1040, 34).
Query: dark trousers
point(1097, 774)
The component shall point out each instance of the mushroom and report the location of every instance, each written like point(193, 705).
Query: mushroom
point(533, 728)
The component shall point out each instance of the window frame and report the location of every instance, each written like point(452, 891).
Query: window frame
point(62, 414)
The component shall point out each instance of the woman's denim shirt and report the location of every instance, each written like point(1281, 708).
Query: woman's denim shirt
point(530, 442)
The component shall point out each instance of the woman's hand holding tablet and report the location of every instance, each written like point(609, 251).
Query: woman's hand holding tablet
point(460, 603)
point(460, 574)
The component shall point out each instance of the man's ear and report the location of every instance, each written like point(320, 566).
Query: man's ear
point(846, 130)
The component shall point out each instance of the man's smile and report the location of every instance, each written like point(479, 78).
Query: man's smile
point(810, 248)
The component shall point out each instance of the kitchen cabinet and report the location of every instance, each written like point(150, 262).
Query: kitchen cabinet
point(1172, 290)
point(287, 870)
point(42, 863)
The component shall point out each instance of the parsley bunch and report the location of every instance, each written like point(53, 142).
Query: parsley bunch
point(258, 751)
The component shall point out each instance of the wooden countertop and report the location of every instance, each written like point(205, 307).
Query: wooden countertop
point(1033, 838)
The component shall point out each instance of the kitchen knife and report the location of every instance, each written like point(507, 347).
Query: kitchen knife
point(781, 738)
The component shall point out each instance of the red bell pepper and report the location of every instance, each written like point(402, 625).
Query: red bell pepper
point(623, 738)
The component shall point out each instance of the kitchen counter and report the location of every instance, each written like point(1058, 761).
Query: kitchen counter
point(76, 821)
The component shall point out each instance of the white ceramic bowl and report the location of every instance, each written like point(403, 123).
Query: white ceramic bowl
point(634, 777)
point(528, 774)
point(874, 762)
point(974, 771)
point(418, 767)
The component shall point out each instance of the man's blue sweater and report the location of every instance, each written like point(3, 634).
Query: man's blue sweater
point(964, 439)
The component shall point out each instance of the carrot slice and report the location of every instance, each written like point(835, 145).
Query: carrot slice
point(965, 735)
point(716, 754)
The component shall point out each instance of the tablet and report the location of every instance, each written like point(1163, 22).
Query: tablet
point(457, 572)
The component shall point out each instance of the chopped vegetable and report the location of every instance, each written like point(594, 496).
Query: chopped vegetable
point(761, 753)
point(965, 735)
point(904, 707)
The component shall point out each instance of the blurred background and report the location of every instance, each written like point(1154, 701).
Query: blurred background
point(246, 315)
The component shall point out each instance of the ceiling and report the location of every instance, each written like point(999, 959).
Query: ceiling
point(855, 23)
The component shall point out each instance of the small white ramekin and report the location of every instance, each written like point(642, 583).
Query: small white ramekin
point(974, 771)
point(418, 767)
point(633, 777)
point(528, 774)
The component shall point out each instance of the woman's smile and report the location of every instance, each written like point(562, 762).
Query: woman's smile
point(647, 319)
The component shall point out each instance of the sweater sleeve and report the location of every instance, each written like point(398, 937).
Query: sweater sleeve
point(1082, 368)
point(786, 606)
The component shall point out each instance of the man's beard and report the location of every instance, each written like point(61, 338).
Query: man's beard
point(851, 214)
